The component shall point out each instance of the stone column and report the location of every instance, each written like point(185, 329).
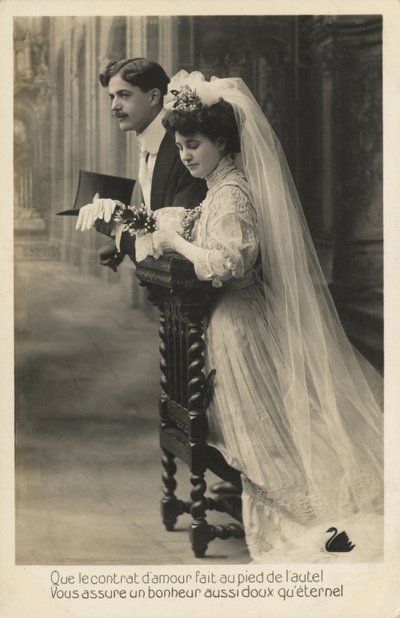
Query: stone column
point(31, 140)
point(168, 45)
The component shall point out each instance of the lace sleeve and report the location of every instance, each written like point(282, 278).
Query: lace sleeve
point(229, 237)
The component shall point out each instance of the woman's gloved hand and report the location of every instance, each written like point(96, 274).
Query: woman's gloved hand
point(164, 241)
point(101, 208)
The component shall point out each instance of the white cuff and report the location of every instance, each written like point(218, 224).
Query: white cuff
point(118, 233)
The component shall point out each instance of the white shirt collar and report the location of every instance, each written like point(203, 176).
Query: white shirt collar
point(151, 138)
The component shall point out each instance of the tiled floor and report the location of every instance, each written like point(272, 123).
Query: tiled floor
point(87, 456)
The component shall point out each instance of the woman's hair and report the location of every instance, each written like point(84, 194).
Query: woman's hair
point(213, 121)
point(140, 72)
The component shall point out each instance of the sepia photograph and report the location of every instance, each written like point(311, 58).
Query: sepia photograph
point(198, 303)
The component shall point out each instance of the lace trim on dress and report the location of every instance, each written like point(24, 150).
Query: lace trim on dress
point(231, 199)
point(228, 202)
point(224, 167)
point(219, 178)
point(292, 502)
point(234, 261)
point(306, 504)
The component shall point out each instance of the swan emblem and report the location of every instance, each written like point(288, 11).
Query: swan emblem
point(338, 542)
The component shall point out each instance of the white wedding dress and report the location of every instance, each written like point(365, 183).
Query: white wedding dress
point(286, 510)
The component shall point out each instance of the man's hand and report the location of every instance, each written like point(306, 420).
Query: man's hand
point(109, 255)
point(101, 208)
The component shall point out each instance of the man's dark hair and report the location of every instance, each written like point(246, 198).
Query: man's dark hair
point(213, 121)
point(140, 72)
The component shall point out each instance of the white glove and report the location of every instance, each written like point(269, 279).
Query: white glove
point(191, 252)
point(101, 208)
point(167, 241)
point(164, 241)
point(144, 247)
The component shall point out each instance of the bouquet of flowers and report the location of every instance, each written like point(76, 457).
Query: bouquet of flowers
point(136, 220)
point(141, 224)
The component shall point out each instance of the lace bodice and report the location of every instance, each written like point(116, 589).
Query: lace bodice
point(226, 228)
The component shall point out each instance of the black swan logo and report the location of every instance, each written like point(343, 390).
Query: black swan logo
point(338, 542)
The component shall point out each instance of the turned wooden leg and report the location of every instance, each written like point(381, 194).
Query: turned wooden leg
point(199, 528)
point(169, 503)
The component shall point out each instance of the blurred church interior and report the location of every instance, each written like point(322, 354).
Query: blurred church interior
point(317, 78)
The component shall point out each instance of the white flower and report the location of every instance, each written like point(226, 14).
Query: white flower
point(208, 91)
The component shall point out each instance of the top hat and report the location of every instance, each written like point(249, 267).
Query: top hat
point(90, 183)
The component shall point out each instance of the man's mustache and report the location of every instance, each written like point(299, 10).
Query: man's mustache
point(119, 115)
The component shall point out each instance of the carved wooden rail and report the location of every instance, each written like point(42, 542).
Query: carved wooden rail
point(183, 302)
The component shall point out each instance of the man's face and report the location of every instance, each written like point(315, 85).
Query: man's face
point(133, 107)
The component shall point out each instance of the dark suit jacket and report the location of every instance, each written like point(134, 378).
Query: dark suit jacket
point(172, 185)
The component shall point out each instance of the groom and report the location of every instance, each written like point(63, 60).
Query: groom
point(136, 89)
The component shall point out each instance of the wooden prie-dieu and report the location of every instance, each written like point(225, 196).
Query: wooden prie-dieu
point(184, 303)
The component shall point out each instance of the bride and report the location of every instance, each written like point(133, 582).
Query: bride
point(292, 408)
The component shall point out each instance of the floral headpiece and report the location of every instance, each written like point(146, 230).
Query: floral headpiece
point(190, 91)
point(186, 99)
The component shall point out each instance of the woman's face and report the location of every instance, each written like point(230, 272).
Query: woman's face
point(200, 154)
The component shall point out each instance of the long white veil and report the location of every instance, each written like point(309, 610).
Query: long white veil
point(321, 380)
